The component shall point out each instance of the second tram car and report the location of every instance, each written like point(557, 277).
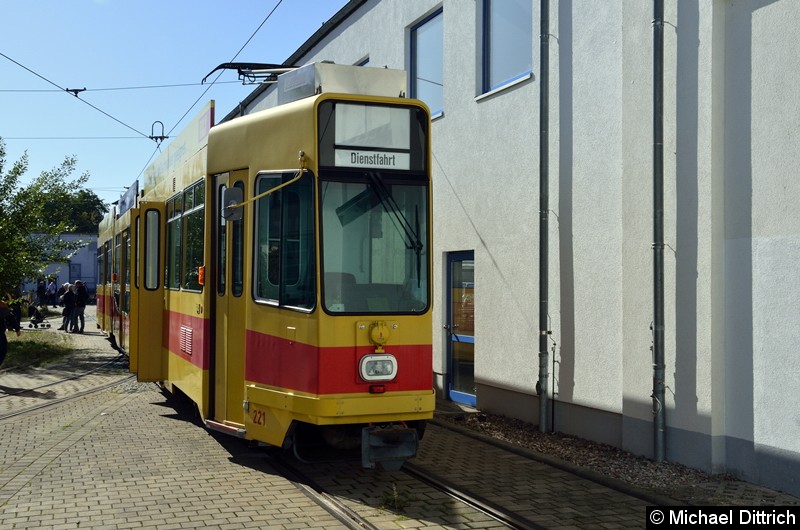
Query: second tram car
point(276, 268)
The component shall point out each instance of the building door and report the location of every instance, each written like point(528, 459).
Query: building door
point(460, 327)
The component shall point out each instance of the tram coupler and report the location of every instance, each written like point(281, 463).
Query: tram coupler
point(388, 445)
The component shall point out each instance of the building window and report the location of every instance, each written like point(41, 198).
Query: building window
point(507, 41)
point(427, 72)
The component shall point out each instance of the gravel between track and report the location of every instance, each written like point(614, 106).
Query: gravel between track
point(678, 482)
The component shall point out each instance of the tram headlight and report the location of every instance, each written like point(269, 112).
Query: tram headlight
point(378, 367)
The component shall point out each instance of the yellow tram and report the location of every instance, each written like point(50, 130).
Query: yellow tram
point(276, 268)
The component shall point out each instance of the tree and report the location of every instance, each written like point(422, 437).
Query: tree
point(29, 224)
point(83, 209)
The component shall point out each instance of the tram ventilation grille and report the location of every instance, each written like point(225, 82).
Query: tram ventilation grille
point(186, 340)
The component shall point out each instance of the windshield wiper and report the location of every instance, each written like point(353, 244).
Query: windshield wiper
point(413, 241)
point(390, 205)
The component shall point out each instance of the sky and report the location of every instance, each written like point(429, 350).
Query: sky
point(141, 62)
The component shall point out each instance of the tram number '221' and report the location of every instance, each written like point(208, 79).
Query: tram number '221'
point(259, 417)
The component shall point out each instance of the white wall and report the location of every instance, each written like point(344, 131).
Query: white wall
point(732, 230)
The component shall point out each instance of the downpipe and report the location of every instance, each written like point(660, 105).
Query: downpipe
point(659, 420)
point(544, 207)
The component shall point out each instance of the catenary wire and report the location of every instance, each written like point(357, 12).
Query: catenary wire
point(220, 73)
point(213, 82)
point(108, 89)
point(76, 96)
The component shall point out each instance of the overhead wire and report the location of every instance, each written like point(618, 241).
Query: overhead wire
point(72, 138)
point(212, 83)
point(232, 60)
point(108, 89)
point(74, 94)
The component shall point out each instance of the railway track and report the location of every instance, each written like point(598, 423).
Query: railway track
point(16, 401)
point(365, 499)
point(471, 499)
point(331, 503)
point(460, 481)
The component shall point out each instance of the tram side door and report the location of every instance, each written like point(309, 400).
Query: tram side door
point(460, 327)
point(230, 303)
point(133, 246)
point(147, 293)
point(123, 299)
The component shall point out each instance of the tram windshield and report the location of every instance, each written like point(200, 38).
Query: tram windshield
point(375, 245)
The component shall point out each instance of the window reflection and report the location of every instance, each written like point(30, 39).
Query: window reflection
point(507, 41)
point(427, 72)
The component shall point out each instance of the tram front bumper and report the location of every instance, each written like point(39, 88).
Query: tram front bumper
point(388, 446)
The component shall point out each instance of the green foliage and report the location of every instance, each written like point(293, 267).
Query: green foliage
point(396, 500)
point(84, 210)
point(34, 348)
point(32, 217)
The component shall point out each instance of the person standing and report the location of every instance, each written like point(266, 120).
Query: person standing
point(68, 299)
point(81, 297)
point(51, 293)
point(41, 293)
point(8, 320)
point(60, 295)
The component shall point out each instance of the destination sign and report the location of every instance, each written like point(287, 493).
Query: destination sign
point(376, 159)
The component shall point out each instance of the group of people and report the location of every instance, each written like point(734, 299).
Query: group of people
point(74, 299)
point(47, 293)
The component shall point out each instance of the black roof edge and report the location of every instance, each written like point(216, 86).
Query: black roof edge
point(312, 41)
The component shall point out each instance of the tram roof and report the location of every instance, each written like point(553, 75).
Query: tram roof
point(301, 52)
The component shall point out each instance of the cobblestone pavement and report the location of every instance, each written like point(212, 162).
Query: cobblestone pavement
point(132, 457)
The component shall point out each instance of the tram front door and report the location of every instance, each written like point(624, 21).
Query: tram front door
point(229, 312)
point(460, 327)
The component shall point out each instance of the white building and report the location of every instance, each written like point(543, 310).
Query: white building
point(80, 264)
point(731, 228)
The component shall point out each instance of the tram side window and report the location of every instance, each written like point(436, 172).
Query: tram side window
point(152, 243)
point(117, 256)
point(100, 280)
point(135, 257)
point(222, 242)
point(237, 252)
point(193, 225)
point(285, 271)
point(107, 262)
point(185, 233)
point(126, 272)
point(172, 278)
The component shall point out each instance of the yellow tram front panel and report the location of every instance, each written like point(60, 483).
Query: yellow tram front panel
point(320, 384)
point(304, 354)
